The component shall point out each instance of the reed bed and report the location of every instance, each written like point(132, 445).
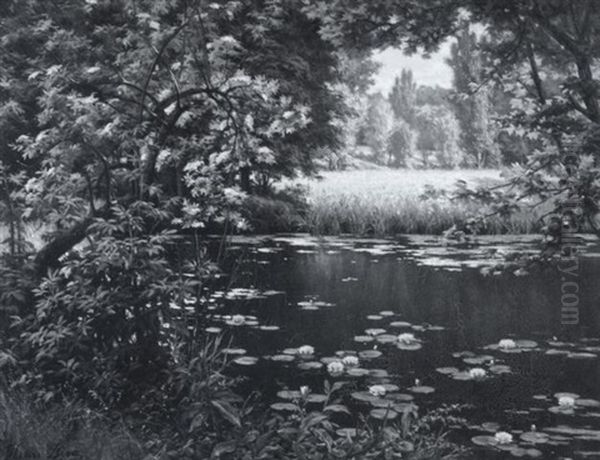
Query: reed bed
point(389, 202)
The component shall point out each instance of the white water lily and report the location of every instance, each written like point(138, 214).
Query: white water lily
point(566, 402)
point(377, 390)
point(350, 361)
point(304, 391)
point(306, 350)
point(335, 368)
point(237, 320)
point(507, 344)
point(477, 373)
point(502, 437)
point(407, 338)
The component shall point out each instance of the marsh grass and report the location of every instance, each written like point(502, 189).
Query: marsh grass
point(31, 431)
point(388, 202)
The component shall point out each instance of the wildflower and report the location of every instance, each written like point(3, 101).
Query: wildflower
point(377, 390)
point(566, 402)
point(507, 344)
point(304, 390)
point(350, 361)
point(477, 373)
point(306, 350)
point(502, 437)
point(407, 338)
point(237, 320)
point(335, 368)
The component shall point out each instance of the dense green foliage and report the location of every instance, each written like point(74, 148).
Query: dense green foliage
point(126, 126)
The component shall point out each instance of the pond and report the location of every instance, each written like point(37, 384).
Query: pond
point(416, 323)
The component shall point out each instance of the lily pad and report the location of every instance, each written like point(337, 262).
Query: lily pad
point(374, 317)
point(447, 370)
point(409, 346)
point(386, 338)
point(369, 354)
point(383, 414)
point(374, 331)
point(246, 360)
point(282, 358)
point(357, 372)
point(234, 351)
point(310, 365)
point(535, 437)
point(363, 338)
point(363, 396)
point(400, 324)
point(422, 389)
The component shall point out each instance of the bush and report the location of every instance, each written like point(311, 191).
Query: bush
point(30, 430)
point(280, 211)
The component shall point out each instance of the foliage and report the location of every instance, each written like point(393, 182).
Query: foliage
point(403, 96)
point(401, 144)
point(438, 139)
point(61, 432)
point(472, 103)
point(390, 202)
point(281, 211)
point(374, 130)
point(540, 53)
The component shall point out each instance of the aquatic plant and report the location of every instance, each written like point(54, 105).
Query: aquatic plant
point(236, 320)
point(477, 373)
point(350, 361)
point(507, 344)
point(503, 437)
point(335, 368)
point(306, 350)
point(407, 338)
point(377, 390)
point(567, 402)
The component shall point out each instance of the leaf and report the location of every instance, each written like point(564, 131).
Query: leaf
point(228, 412)
point(226, 447)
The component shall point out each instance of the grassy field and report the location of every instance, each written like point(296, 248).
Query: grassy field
point(388, 202)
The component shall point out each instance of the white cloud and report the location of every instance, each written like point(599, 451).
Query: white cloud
point(429, 71)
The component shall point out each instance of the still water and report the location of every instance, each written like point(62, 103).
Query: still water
point(435, 325)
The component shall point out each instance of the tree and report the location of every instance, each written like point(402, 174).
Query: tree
point(375, 127)
point(123, 125)
point(543, 37)
point(401, 144)
point(471, 101)
point(402, 97)
point(438, 140)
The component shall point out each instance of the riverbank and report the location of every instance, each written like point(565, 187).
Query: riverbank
point(390, 202)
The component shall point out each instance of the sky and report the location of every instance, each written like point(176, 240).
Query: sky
point(430, 71)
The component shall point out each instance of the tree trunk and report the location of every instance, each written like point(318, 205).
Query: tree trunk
point(245, 179)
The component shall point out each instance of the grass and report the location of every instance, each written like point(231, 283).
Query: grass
point(30, 430)
point(388, 202)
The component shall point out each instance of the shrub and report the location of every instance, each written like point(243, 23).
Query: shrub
point(32, 430)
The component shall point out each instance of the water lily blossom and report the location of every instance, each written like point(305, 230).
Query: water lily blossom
point(566, 402)
point(502, 437)
point(304, 391)
point(477, 373)
point(507, 344)
point(407, 338)
point(335, 368)
point(350, 361)
point(306, 350)
point(377, 390)
point(237, 320)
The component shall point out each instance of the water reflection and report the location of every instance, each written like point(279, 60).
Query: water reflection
point(359, 296)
